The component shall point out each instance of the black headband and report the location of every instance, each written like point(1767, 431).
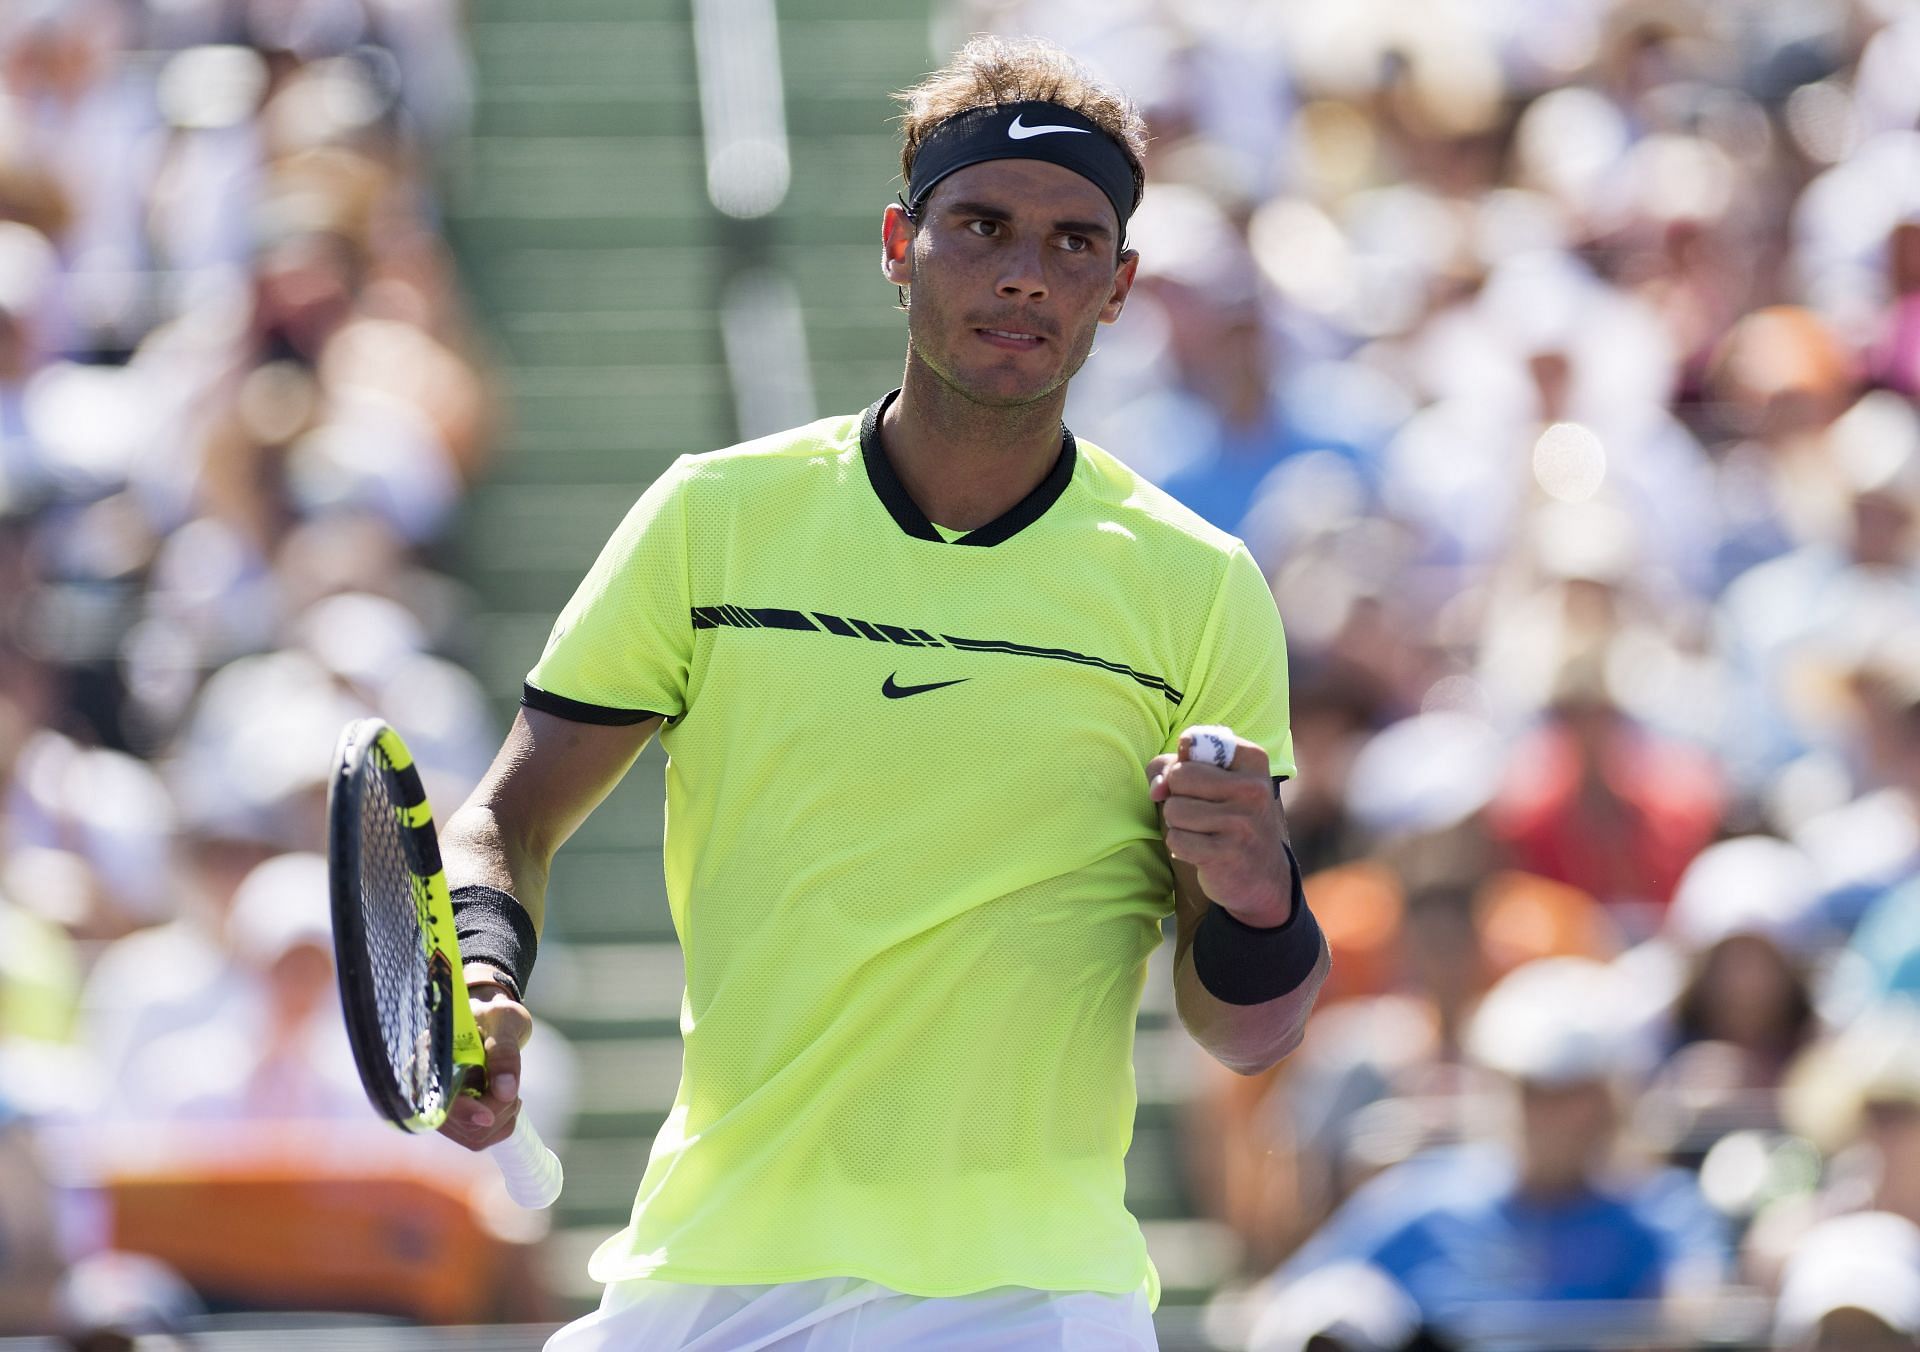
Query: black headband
point(1028, 131)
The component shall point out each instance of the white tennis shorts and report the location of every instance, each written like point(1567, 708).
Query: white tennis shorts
point(844, 1314)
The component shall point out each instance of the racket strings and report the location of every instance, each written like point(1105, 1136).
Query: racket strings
point(397, 948)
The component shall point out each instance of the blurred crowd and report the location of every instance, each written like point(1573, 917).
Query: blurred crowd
point(1559, 363)
point(1558, 360)
point(238, 405)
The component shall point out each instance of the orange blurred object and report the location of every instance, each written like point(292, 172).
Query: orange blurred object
point(1784, 350)
point(1522, 917)
point(1360, 907)
point(272, 1226)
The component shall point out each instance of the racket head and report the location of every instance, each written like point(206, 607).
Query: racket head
point(405, 1004)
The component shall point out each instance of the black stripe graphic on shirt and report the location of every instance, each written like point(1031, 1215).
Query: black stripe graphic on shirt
point(739, 617)
point(729, 616)
point(1063, 655)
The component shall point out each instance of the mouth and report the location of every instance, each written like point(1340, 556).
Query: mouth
point(1013, 340)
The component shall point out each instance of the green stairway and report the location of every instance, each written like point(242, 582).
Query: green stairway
point(597, 266)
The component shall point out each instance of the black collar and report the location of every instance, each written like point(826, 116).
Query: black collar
point(906, 512)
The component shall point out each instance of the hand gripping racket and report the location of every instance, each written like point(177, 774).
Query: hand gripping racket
point(408, 1018)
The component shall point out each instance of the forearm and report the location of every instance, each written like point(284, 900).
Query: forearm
point(477, 847)
point(548, 776)
point(1246, 1038)
point(1247, 969)
point(30, 1264)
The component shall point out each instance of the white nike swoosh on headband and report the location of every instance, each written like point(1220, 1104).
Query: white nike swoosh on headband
point(1018, 132)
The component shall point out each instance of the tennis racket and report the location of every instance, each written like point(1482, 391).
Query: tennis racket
point(408, 1018)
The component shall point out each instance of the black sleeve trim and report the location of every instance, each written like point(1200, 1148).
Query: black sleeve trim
point(533, 697)
point(1240, 964)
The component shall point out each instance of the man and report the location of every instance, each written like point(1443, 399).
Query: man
point(1852, 1285)
point(1513, 1239)
point(922, 676)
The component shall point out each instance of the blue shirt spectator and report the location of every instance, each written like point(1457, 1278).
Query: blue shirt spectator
point(1889, 939)
point(1456, 1231)
point(1500, 1236)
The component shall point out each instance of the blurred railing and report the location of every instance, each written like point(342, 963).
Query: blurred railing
point(1737, 1322)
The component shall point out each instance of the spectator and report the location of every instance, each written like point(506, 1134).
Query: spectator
point(277, 1048)
point(1867, 846)
point(1597, 800)
point(1853, 1285)
point(1744, 929)
point(1856, 1096)
point(30, 1258)
point(1559, 362)
point(125, 1302)
point(1508, 1227)
point(1347, 1307)
point(1856, 575)
point(236, 414)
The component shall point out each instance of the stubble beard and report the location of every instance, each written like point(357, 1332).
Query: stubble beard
point(926, 355)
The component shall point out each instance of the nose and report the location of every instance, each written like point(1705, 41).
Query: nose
point(1022, 277)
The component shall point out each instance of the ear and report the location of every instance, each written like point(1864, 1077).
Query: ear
point(1122, 284)
point(897, 231)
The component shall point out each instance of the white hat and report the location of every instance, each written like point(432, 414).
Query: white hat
point(127, 1293)
point(1554, 1021)
point(1876, 444)
point(1753, 885)
point(1355, 1303)
point(28, 266)
point(1425, 773)
point(279, 906)
point(363, 637)
point(261, 736)
point(211, 87)
point(1192, 240)
point(1866, 1261)
point(1875, 1058)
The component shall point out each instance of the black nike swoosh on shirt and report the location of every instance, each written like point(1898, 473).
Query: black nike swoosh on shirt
point(892, 691)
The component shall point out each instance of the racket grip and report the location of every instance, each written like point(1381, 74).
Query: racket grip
point(531, 1170)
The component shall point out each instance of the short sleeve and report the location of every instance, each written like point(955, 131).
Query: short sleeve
point(1239, 675)
point(622, 648)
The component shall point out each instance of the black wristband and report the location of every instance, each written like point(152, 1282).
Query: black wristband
point(1243, 965)
point(494, 928)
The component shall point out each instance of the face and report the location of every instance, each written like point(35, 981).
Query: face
point(1565, 1131)
point(1441, 949)
point(1892, 1126)
point(300, 983)
point(1749, 990)
point(1851, 1330)
point(1013, 265)
point(1882, 529)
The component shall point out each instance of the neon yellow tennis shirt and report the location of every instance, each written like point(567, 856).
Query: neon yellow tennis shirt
point(909, 852)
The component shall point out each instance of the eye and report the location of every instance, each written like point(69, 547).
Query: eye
point(984, 229)
point(1075, 243)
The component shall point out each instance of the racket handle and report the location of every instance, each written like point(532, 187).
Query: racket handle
point(531, 1170)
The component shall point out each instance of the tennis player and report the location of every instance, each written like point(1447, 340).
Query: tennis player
point(922, 674)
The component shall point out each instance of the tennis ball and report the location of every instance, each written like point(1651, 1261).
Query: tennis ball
point(1212, 744)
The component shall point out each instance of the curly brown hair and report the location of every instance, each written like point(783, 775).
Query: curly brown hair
point(990, 72)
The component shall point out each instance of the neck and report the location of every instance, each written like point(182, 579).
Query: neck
point(966, 463)
point(1898, 1192)
point(1549, 1185)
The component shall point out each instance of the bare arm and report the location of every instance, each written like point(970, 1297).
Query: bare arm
point(30, 1263)
point(548, 777)
point(1226, 832)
